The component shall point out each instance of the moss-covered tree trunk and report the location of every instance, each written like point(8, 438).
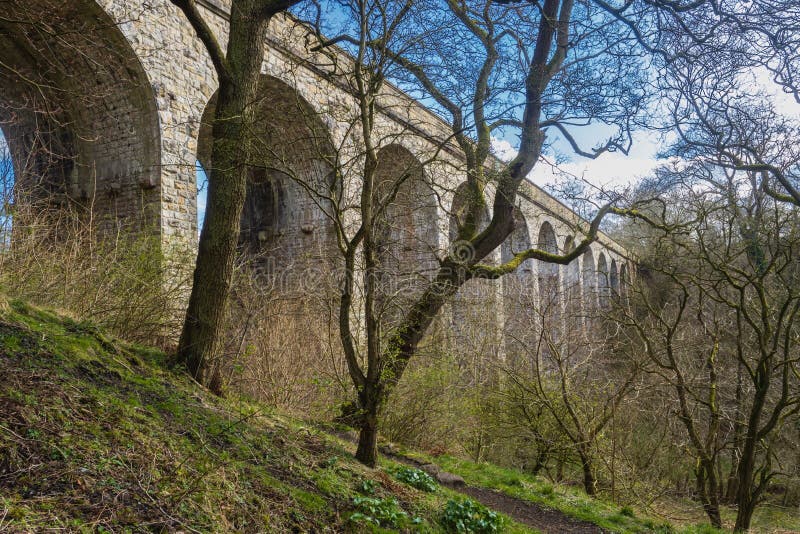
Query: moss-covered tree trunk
point(589, 480)
point(748, 490)
point(708, 490)
point(238, 72)
point(367, 451)
point(389, 352)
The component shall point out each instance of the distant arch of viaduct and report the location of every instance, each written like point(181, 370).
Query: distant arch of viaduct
point(106, 104)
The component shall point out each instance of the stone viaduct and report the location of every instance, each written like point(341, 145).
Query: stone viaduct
point(105, 103)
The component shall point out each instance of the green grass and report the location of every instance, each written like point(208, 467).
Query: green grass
point(767, 519)
point(97, 435)
point(571, 501)
point(688, 517)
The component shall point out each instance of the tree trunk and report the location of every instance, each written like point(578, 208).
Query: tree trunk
point(708, 489)
point(733, 481)
point(589, 481)
point(744, 516)
point(541, 458)
point(744, 495)
point(219, 240)
point(230, 152)
point(367, 452)
point(712, 511)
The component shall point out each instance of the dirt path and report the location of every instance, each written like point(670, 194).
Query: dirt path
point(525, 512)
point(539, 517)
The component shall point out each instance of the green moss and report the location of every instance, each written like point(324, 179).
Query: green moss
point(105, 437)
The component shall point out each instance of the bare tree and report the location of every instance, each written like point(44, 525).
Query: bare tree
point(721, 121)
point(581, 381)
point(489, 68)
point(513, 75)
point(728, 302)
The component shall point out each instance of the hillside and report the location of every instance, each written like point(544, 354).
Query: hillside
point(96, 435)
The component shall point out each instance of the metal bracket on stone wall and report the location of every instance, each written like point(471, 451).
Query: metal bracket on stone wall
point(115, 186)
point(148, 182)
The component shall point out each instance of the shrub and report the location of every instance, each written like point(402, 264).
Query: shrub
point(122, 279)
point(627, 511)
point(278, 346)
point(468, 516)
point(416, 478)
point(380, 512)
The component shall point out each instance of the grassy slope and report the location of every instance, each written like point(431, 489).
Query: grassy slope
point(95, 434)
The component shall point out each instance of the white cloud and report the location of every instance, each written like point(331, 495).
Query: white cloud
point(784, 102)
point(503, 149)
point(608, 170)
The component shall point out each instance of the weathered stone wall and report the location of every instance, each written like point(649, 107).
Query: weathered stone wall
point(136, 89)
point(74, 99)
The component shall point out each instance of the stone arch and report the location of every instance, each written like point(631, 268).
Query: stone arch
point(613, 278)
point(460, 198)
point(548, 277)
point(589, 280)
point(518, 241)
point(518, 291)
point(79, 114)
point(407, 234)
point(474, 306)
point(624, 279)
point(285, 227)
point(409, 229)
point(603, 285)
point(572, 280)
point(549, 288)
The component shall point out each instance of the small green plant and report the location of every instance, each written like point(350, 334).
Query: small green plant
point(367, 487)
point(416, 478)
point(469, 517)
point(547, 490)
point(627, 511)
point(379, 512)
point(330, 462)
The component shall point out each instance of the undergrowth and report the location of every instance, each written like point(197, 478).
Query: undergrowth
point(96, 435)
point(465, 515)
point(416, 478)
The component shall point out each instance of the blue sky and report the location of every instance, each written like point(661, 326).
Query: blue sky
point(5, 159)
point(202, 194)
point(617, 169)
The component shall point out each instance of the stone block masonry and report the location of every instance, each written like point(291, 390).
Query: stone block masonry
point(106, 107)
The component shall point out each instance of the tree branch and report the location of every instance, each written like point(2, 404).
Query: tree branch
point(206, 35)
